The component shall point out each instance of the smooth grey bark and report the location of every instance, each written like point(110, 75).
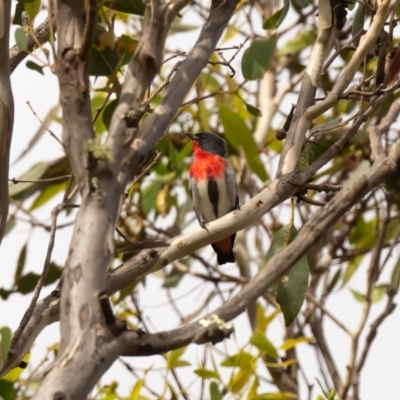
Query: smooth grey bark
point(6, 112)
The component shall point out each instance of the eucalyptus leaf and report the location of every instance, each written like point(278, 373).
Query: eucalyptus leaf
point(256, 58)
point(276, 19)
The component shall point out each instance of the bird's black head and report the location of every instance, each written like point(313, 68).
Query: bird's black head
point(210, 142)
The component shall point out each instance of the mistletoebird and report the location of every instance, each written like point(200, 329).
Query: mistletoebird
point(213, 187)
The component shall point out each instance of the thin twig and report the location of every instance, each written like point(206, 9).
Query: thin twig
point(323, 187)
point(29, 312)
point(310, 201)
point(44, 126)
point(328, 313)
point(162, 86)
point(181, 53)
point(58, 178)
point(140, 176)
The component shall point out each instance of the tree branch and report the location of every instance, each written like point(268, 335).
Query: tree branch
point(155, 126)
point(6, 112)
point(303, 119)
point(327, 31)
point(42, 35)
point(277, 266)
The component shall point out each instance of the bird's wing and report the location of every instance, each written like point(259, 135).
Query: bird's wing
point(232, 188)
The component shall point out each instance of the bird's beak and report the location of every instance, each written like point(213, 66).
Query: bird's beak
point(192, 137)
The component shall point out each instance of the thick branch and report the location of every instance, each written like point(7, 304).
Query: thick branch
point(6, 112)
point(185, 244)
point(142, 69)
point(73, 76)
point(327, 30)
point(276, 267)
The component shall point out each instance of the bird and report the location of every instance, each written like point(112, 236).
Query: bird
point(213, 187)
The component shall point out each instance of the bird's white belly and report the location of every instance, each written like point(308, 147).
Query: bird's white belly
point(202, 203)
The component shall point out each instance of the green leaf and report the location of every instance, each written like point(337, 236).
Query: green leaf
point(301, 3)
point(149, 196)
point(20, 262)
point(126, 6)
point(395, 280)
point(26, 283)
point(275, 20)
point(292, 287)
point(263, 344)
point(307, 156)
point(276, 396)
point(325, 126)
point(292, 290)
point(47, 194)
point(253, 110)
point(36, 67)
point(351, 269)
point(5, 334)
point(108, 112)
point(103, 63)
point(181, 363)
point(7, 390)
point(34, 173)
point(173, 359)
point(290, 343)
point(178, 27)
point(215, 394)
point(302, 40)
point(240, 379)
point(109, 54)
point(378, 292)
point(256, 58)
point(135, 393)
point(357, 295)
point(125, 48)
point(206, 373)
point(241, 359)
point(363, 234)
point(21, 40)
point(261, 318)
point(358, 22)
point(332, 394)
point(239, 135)
point(253, 390)
point(280, 240)
point(32, 8)
point(10, 225)
point(334, 280)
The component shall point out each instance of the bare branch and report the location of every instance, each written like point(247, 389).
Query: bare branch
point(327, 30)
point(376, 132)
point(6, 112)
point(390, 306)
point(339, 323)
point(36, 293)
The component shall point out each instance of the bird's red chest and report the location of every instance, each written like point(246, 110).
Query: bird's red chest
point(206, 165)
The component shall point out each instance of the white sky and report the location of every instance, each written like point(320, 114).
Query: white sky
point(379, 379)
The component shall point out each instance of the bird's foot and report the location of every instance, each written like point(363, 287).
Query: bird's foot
point(204, 225)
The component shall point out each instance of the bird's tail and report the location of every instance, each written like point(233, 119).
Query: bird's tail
point(224, 250)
